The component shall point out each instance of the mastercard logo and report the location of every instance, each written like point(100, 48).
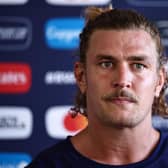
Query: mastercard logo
point(60, 124)
point(75, 124)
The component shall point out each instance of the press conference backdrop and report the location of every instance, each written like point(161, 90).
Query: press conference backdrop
point(38, 46)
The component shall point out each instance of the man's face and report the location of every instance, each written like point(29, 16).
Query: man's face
point(121, 77)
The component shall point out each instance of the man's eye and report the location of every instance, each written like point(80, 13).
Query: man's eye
point(106, 64)
point(138, 66)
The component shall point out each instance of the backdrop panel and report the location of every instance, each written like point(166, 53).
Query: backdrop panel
point(38, 46)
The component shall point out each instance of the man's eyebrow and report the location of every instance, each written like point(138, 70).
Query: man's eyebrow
point(138, 58)
point(104, 56)
point(129, 58)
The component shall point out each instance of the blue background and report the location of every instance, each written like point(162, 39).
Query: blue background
point(42, 58)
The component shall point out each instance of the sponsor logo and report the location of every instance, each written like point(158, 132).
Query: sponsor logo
point(63, 33)
point(149, 3)
point(60, 124)
point(15, 33)
point(15, 122)
point(15, 78)
point(14, 160)
point(13, 2)
point(78, 2)
point(60, 78)
point(163, 28)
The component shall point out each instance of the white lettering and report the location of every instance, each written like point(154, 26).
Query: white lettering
point(11, 122)
point(59, 77)
point(15, 78)
point(63, 34)
point(12, 33)
point(15, 122)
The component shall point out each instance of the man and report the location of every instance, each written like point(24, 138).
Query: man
point(121, 78)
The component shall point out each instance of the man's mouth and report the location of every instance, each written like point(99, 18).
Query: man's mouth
point(122, 100)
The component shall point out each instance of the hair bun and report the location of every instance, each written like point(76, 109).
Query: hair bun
point(92, 12)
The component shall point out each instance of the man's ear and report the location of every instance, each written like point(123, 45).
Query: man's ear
point(160, 82)
point(80, 76)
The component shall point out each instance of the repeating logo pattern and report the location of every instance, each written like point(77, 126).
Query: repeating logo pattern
point(28, 37)
point(14, 160)
point(15, 122)
point(15, 33)
point(59, 78)
point(15, 78)
point(59, 123)
point(63, 33)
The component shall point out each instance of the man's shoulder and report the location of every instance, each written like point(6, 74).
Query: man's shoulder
point(57, 149)
point(52, 155)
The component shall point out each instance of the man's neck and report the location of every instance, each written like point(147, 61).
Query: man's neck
point(116, 147)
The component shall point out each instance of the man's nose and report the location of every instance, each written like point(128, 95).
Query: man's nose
point(123, 77)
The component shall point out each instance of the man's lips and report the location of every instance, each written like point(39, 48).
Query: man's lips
point(122, 100)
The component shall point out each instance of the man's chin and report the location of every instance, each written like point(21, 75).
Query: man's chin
point(122, 122)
